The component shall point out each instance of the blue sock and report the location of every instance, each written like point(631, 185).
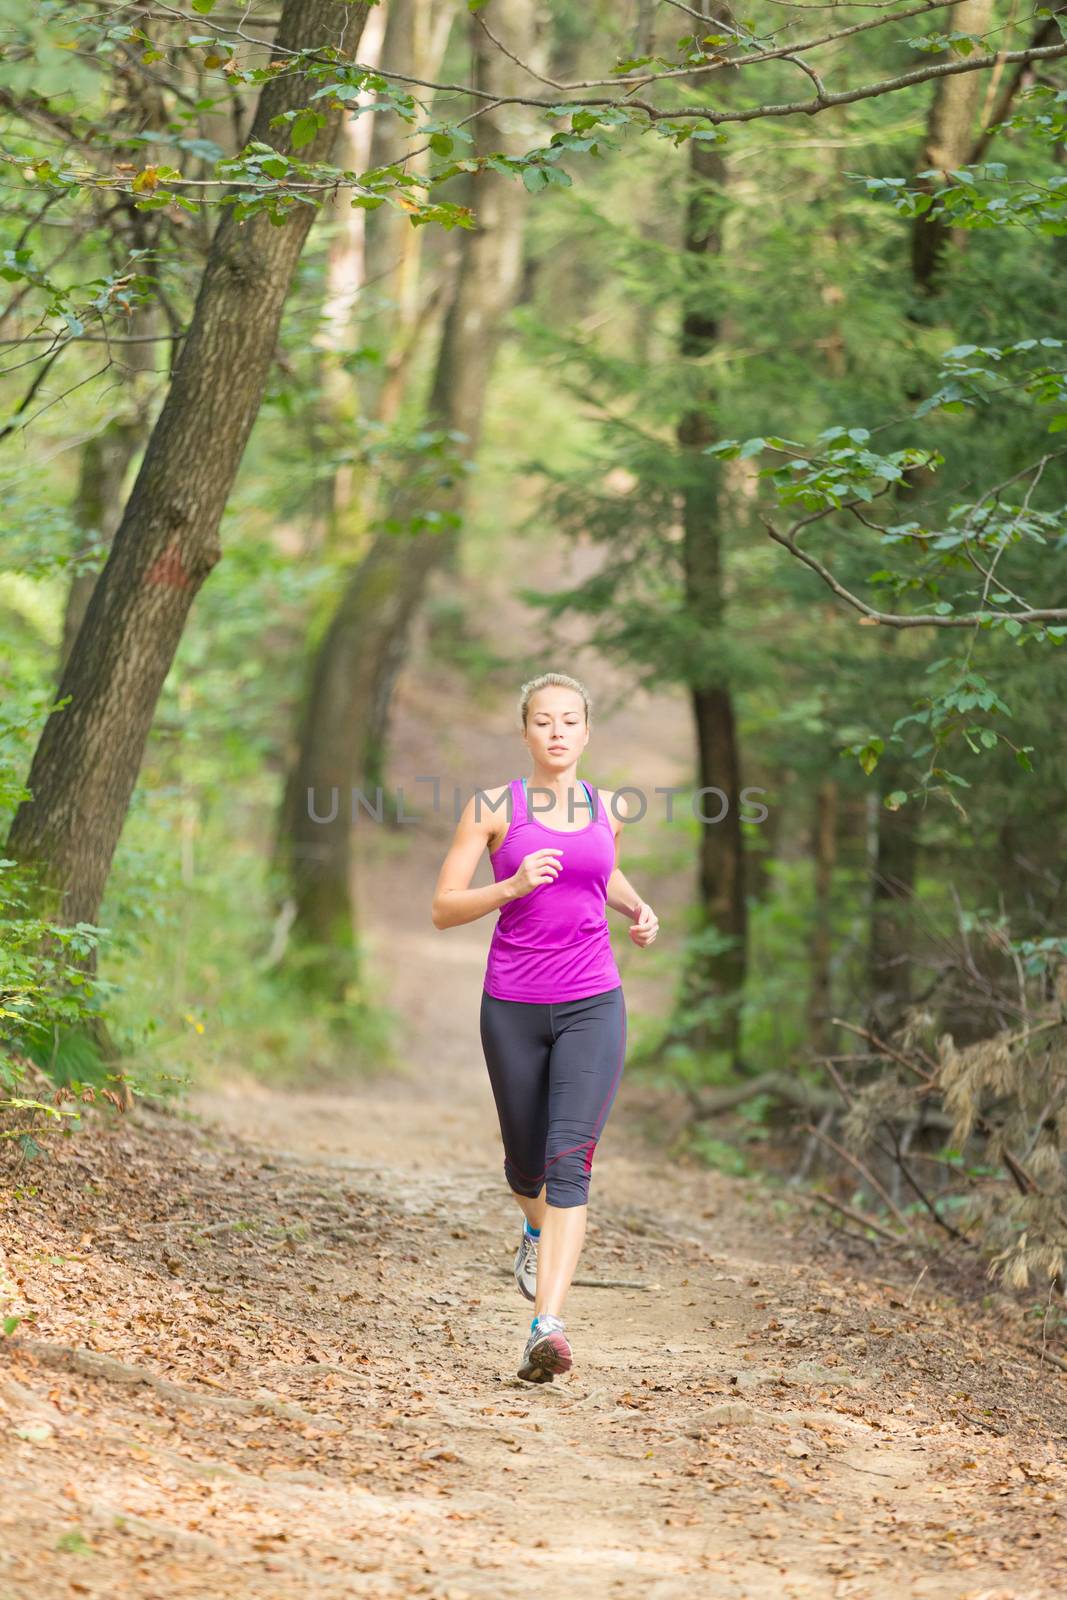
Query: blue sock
point(535, 1233)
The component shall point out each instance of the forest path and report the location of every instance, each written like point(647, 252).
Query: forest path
point(271, 1349)
point(306, 1334)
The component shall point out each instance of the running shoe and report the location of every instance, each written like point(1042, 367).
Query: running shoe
point(526, 1265)
point(547, 1350)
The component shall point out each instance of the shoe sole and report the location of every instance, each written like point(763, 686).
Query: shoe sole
point(549, 1355)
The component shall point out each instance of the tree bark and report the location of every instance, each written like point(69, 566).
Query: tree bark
point(343, 724)
point(416, 38)
point(89, 755)
point(824, 852)
point(715, 971)
point(948, 141)
point(896, 860)
point(334, 417)
point(106, 459)
point(373, 277)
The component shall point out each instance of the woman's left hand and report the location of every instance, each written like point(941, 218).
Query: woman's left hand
point(644, 926)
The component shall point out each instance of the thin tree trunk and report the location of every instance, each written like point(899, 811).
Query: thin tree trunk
point(947, 145)
point(760, 864)
point(645, 28)
point(106, 459)
point(89, 755)
point(415, 42)
point(109, 454)
point(824, 851)
point(343, 724)
point(892, 893)
point(335, 414)
point(948, 142)
point(713, 982)
point(373, 274)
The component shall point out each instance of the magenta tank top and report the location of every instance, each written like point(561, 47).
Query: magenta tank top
point(554, 943)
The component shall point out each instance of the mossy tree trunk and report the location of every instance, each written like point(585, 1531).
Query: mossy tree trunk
point(714, 977)
point(343, 722)
point(87, 761)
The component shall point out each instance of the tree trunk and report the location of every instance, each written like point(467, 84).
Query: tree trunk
point(895, 864)
point(415, 41)
point(373, 277)
point(343, 725)
point(714, 979)
point(824, 852)
point(89, 755)
point(356, 664)
point(713, 982)
point(948, 141)
point(334, 417)
point(109, 454)
point(761, 882)
point(106, 459)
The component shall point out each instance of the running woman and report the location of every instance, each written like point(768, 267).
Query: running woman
point(553, 1015)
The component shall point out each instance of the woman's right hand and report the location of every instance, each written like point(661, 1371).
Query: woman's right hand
point(535, 869)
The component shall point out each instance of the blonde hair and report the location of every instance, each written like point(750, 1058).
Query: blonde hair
point(548, 680)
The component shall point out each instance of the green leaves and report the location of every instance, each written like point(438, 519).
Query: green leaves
point(17, 267)
point(972, 379)
point(677, 129)
point(820, 479)
point(957, 43)
point(631, 63)
point(305, 125)
point(868, 754)
point(984, 195)
point(444, 136)
point(948, 713)
point(537, 177)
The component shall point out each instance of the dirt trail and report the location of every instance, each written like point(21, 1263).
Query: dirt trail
point(317, 1288)
point(270, 1349)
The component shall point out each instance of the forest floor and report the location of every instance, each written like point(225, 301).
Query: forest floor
point(268, 1344)
point(270, 1349)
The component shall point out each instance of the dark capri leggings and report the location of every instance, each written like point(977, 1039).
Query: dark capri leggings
point(554, 1070)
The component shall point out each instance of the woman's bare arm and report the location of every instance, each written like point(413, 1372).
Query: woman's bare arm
point(454, 902)
point(622, 896)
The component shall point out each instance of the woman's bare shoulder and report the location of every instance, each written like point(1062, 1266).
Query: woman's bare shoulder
point(618, 805)
point(488, 807)
point(491, 794)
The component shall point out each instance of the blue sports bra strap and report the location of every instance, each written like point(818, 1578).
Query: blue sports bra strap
point(588, 795)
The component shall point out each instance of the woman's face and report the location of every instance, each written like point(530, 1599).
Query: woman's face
point(556, 729)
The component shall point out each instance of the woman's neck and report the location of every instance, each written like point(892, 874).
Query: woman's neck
point(561, 784)
point(569, 796)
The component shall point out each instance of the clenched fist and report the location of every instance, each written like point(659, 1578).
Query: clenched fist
point(644, 925)
point(537, 868)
